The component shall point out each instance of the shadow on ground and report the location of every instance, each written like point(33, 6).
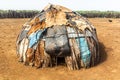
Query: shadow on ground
point(103, 53)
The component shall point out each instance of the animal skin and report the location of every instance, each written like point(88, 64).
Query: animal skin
point(42, 59)
point(29, 57)
point(64, 9)
point(39, 58)
point(36, 25)
point(22, 50)
point(58, 15)
point(55, 17)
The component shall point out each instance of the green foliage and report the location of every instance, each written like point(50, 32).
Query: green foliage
point(17, 13)
point(101, 14)
point(31, 13)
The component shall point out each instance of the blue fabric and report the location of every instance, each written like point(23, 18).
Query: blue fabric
point(84, 50)
point(34, 37)
point(82, 43)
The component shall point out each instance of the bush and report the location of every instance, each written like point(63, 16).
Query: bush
point(31, 13)
point(101, 14)
point(17, 13)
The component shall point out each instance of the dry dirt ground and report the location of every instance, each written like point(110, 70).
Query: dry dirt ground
point(108, 69)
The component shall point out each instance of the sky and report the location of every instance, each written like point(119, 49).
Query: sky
point(102, 5)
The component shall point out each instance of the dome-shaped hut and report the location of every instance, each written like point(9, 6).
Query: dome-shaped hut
point(58, 32)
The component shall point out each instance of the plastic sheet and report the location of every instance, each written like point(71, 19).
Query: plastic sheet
point(56, 42)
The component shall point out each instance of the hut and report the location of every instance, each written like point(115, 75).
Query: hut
point(58, 32)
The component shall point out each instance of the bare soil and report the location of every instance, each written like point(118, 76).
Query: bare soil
point(107, 69)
